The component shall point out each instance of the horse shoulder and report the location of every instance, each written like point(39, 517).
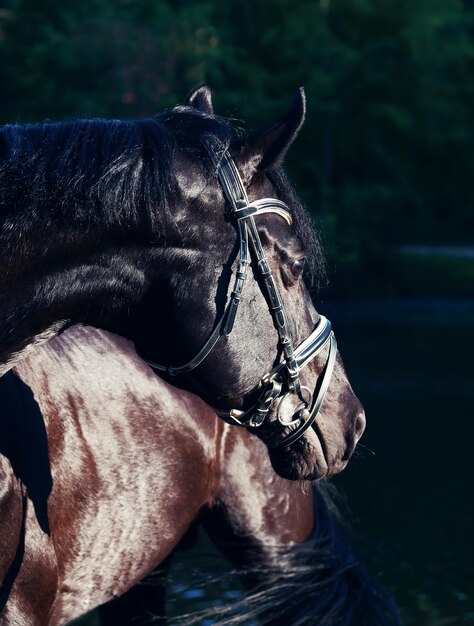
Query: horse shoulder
point(131, 464)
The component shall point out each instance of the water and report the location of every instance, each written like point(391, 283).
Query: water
point(410, 485)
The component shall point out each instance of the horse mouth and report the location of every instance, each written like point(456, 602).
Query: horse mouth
point(312, 457)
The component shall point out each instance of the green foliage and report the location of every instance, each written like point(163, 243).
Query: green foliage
point(98, 58)
point(433, 274)
point(386, 155)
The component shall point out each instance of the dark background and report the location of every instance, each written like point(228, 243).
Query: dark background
point(386, 157)
point(385, 164)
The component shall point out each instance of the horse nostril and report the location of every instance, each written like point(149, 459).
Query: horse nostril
point(360, 424)
point(353, 438)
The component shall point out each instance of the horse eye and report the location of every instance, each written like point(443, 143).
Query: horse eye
point(298, 267)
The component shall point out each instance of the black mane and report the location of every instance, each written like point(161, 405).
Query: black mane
point(319, 581)
point(87, 206)
point(96, 169)
point(115, 173)
point(316, 267)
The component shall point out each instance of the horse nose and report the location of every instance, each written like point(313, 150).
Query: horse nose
point(354, 435)
point(359, 426)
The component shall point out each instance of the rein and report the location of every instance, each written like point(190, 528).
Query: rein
point(283, 380)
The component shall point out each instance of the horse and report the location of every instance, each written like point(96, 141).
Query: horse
point(151, 228)
point(104, 467)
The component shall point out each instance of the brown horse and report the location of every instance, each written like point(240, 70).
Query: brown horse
point(103, 468)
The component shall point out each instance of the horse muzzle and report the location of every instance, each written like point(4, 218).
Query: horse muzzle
point(275, 391)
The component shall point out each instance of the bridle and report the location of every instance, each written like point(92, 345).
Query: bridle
point(284, 378)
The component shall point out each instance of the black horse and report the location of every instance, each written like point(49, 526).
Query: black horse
point(131, 226)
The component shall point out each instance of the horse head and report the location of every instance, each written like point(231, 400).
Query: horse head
point(185, 236)
point(260, 354)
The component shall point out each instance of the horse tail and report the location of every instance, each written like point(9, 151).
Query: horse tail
point(319, 582)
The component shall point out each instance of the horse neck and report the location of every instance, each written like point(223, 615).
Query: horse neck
point(82, 293)
point(54, 275)
point(269, 511)
point(74, 252)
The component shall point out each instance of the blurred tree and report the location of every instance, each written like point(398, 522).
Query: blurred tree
point(385, 157)
point(386, 152)
point(99, 57)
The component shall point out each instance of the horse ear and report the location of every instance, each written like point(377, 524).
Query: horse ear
point(200, 98)
point(265, 149)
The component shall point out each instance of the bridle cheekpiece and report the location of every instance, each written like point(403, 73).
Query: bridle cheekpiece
point(284, 379)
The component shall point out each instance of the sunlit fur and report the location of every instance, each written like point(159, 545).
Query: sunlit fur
point(104, 467)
